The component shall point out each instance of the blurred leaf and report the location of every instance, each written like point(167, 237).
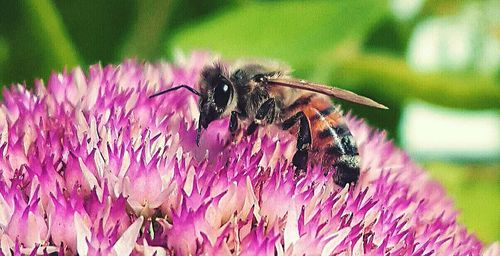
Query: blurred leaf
point(443, 7)
point(391, 79)
point(24, 59)
point(192, 11)
point(51, 35)
point(97, 27)
point(157, 20)
point(4, 49)
point(4, 53)
point(144, 39)
point(476, 193)
point(292, 31)
point(389, 36)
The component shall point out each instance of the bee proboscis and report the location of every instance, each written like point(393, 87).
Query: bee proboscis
point(263, 94)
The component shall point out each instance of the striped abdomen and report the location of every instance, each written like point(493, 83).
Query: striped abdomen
point(332, 143)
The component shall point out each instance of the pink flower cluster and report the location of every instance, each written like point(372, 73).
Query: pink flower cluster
point(90, 165)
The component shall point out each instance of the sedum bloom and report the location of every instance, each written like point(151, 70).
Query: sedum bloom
point(90, 165)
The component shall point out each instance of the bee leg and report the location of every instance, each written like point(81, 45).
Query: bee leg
point(267, 110)
point(233, 123)
point(303, 139)
point(198, 134)
point(234, 129)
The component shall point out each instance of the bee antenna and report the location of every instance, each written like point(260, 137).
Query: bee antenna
point(175, 88)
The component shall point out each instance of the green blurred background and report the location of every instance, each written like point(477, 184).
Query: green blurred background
point(434, 63)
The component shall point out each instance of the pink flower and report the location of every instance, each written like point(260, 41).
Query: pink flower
point(90, 165)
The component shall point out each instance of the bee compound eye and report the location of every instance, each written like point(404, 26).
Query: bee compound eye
point(222, 94)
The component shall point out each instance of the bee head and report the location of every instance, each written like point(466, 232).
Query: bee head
point(215, 96)
point(217, 100)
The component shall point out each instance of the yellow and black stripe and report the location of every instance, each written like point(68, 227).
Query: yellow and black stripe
point(331, 139)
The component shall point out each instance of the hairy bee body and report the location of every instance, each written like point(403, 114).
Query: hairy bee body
point(260, 94)
point(330, 142)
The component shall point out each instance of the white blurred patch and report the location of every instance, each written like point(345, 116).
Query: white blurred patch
point(430, 132)
point(441, 44)
point(469, 40)
point(406, 9)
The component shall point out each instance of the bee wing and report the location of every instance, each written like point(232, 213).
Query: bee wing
point(325, 89)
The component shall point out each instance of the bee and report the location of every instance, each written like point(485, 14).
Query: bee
point(259, 94)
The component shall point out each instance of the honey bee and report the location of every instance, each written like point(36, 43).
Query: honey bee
point(258, 94)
